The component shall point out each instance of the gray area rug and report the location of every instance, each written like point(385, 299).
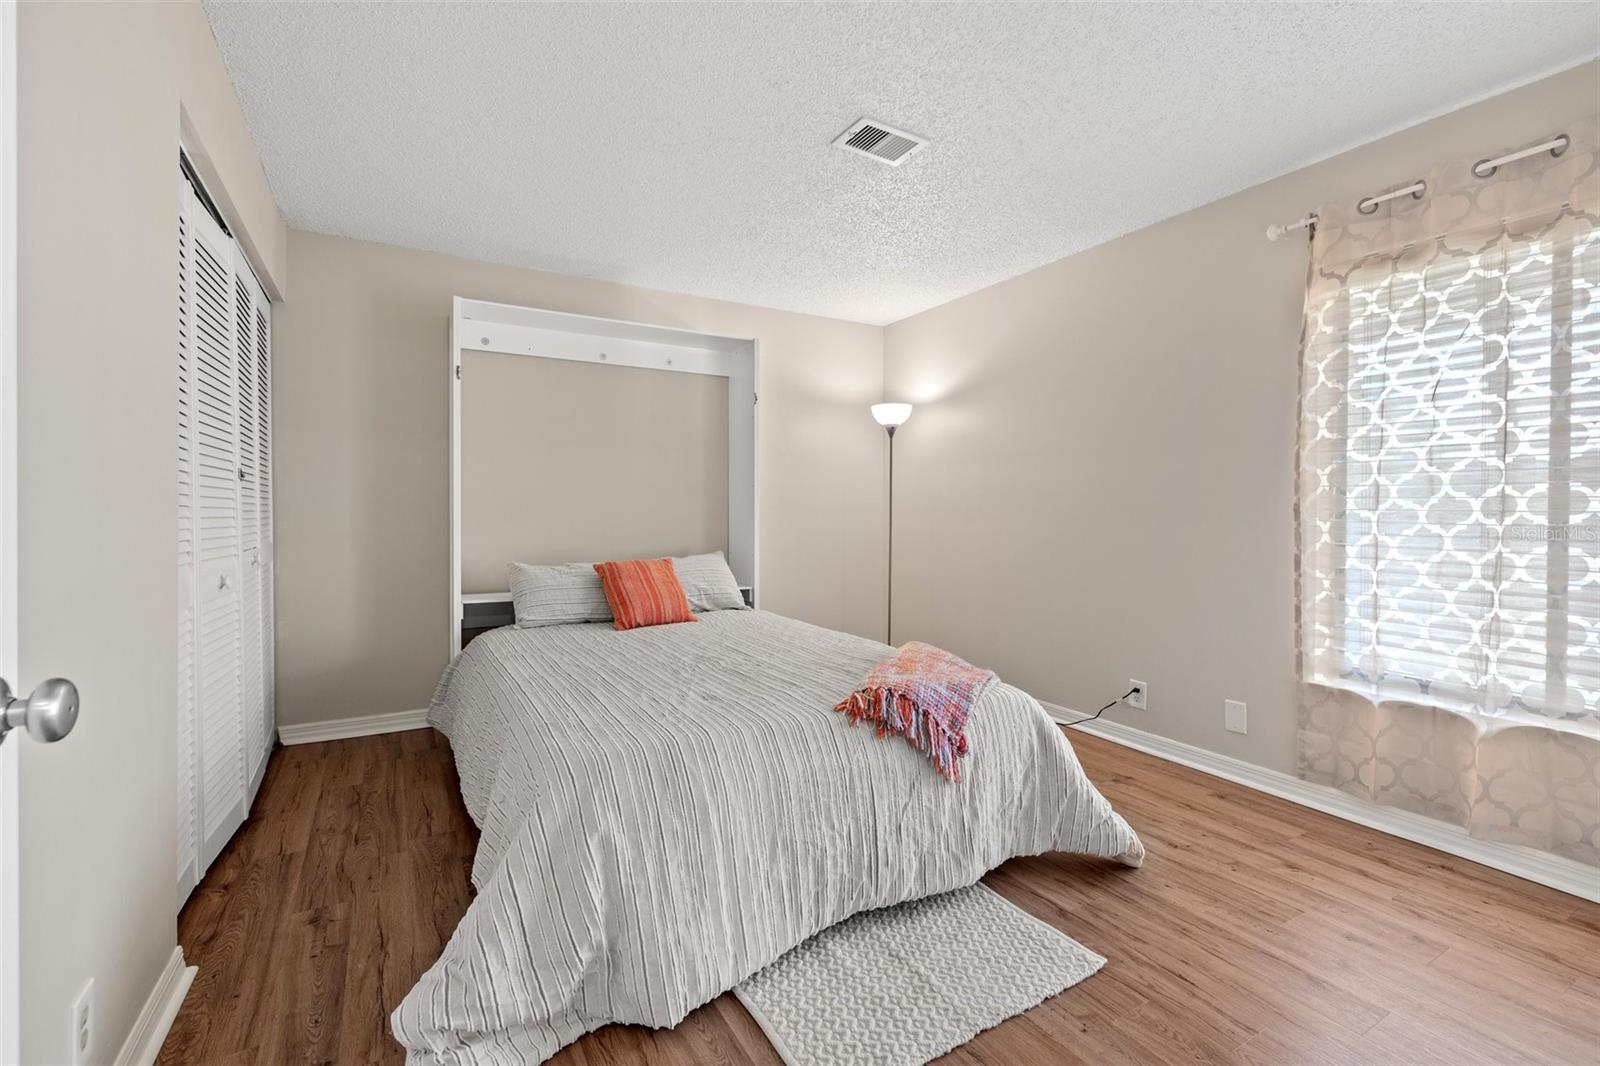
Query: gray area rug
point(906, 984)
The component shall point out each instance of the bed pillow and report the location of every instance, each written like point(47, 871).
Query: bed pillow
point(556, 595)
point(644, 592)
point(708, 584)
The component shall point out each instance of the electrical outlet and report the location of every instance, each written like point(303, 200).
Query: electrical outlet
point(1233, 716)
point(81, 1021)
point(1136, 699)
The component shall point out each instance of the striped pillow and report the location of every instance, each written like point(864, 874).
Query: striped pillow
point(643, 592)
point(556, 595)
point(708, 583)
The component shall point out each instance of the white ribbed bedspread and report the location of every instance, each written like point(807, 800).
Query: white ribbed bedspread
point(665, 811)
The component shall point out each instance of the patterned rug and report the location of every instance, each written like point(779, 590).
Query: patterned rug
point(906, 984)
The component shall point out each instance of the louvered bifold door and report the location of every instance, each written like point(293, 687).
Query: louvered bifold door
point(263, 487)
point(188, 783)
point(219, 612)
point(255, 508)
point(225, 720)
point(250, 659)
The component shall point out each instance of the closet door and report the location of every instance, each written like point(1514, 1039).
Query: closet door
point(218, 608)
point(224, 425)
point(255, 518)
point(252, 692)
point(263, 488)
point(188, 778)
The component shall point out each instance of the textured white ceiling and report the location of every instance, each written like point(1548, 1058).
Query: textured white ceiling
point(686, 147)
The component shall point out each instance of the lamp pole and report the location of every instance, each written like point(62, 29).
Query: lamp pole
point(888, 613)
point(891, 416)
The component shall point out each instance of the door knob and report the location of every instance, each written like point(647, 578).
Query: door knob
point(48, 714)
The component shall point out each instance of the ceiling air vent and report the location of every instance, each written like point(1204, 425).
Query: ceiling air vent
point(883, 143)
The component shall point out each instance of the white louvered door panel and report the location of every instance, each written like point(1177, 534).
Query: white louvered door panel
point(263, 486)
point(252, 692)
point(218, 539)
point(226, 724)
point(188, 801)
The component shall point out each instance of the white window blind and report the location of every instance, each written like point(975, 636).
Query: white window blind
point(1452, 426)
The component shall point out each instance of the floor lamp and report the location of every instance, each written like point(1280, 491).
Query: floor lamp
point(891, 416)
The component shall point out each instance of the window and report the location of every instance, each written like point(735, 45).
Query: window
point(1450, 477)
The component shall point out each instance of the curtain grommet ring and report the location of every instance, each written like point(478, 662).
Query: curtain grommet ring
point(1481, 169)
point(1367, 206)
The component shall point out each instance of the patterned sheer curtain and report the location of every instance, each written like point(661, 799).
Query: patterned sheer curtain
point(1448, 522)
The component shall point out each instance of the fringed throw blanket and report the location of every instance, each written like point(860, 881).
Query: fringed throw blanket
point(924, 694)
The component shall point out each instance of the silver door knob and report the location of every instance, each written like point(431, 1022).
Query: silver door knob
point(48, 714)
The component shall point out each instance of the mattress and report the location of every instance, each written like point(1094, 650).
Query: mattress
point(664, 811)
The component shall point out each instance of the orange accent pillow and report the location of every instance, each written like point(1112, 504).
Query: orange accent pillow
point(644, 592)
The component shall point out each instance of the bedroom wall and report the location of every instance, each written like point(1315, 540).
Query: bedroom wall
point(103, 92)
point(361, 420)
point(1098, 484)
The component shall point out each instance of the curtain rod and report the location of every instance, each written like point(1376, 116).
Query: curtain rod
point(1483, 168)
point(1277, 232)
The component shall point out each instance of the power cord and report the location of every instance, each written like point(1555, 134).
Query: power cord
point(1107, 707)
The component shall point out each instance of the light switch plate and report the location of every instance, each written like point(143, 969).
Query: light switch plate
point(1233, 716)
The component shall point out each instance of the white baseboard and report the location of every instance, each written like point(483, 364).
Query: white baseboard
point(1541, 866)
point(155, 1019)
point(363, 726)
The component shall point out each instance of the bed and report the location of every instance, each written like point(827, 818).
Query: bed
point(664, 811)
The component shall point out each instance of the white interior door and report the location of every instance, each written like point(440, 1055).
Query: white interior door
point(10, 923)
point(224, 465)
point(188, 733)
point(255, 476)
point(261, 483)
point(215, 351)
point(47, 713)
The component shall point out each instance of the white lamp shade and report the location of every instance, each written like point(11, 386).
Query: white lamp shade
point(891, 414)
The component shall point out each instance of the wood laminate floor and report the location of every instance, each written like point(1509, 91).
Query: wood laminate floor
point(1257, 932)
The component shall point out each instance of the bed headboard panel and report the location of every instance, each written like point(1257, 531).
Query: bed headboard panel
point(538, 475)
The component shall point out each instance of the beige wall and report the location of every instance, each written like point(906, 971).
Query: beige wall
point(102, 92)
point(1098, 484)
point(564, 462)
point(361, 421)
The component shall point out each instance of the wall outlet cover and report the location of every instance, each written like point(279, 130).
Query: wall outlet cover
point(1234, 717)
point(1140, 696)
point(80, 1022)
